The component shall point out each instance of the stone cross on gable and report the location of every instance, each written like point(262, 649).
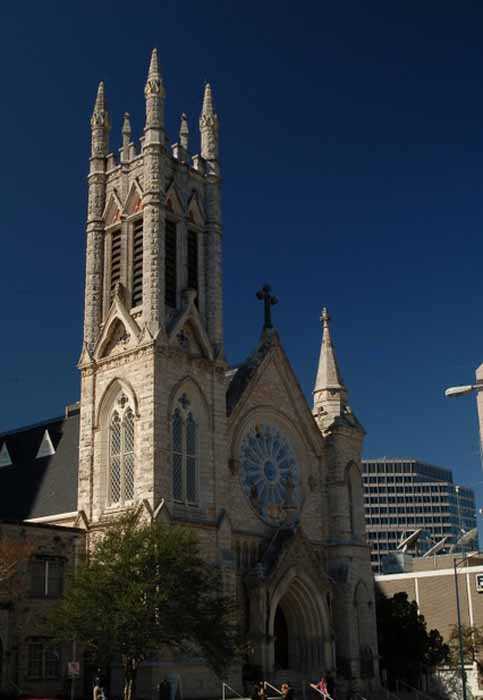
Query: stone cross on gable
point(268, 301)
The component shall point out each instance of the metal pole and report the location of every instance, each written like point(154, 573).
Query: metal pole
point(460, 631)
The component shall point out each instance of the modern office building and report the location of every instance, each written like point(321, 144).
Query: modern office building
point(403, 495)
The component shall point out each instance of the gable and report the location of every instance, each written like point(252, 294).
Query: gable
point(266, 382)
point(195, 210)
point(134, 201)
point(187, 331)
point(112, 211)
point(120, 331)
point(174, 203)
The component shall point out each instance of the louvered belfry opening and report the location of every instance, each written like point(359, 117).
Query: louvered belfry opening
point(170, 264)
point(115, 259)
point(137, 263)
point(193, 261)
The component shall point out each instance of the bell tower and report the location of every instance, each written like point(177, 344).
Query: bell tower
point(153, 311)
point(348, 552)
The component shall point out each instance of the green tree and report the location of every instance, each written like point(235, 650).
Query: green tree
point(144, 587)
point(472, 638)
point(405, 645)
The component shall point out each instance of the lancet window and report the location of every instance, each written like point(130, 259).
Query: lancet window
point(193, 260)
point(171, 277)
point(115, 258)
point(137, 262)
point(121, 454)
point(185, 460)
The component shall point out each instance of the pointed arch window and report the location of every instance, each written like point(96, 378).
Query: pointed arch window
point(193, 261)
point(121, 455)
point(137, 262)
point(115, 259)
point(185, 459)
point(170, 263)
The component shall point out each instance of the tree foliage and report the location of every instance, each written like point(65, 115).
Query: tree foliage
point(15, 553)
point(405, 645)
point(472, 638)
point(142, 587)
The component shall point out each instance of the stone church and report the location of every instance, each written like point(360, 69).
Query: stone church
point(271, 485)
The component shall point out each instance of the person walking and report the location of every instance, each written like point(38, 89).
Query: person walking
point(287, 691)
point(258, 692)
point(321, 687)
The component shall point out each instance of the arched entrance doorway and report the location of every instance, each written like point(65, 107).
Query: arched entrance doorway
point(300, 627)
point(280, 632)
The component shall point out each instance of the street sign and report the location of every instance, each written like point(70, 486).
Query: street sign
point(479, 583)
point(73, 669)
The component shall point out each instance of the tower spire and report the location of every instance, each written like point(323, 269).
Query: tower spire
point(100, 125)
point(154, 93)
point(209, 131)
point(330, 394)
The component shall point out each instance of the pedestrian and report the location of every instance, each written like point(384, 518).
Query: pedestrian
point(321, 687)
point(258, 692)
point(98, 691)
point(287, 691)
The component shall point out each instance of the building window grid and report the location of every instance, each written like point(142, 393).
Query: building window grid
point(47, 577)
point(43, 661)
point(418, 487)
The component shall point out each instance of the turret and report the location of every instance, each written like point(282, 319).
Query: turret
point(209, 162)
point(154, 93)
point(153, 200)
point(100, 126)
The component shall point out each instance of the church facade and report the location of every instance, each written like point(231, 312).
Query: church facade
point(271, 485)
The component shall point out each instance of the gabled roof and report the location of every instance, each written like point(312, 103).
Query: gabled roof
point(244, 373)
point(33, 486)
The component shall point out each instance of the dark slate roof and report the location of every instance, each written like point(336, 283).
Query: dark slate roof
point(247, 369)
point(32, 488)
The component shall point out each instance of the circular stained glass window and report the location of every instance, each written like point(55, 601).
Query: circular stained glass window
point(269, 473)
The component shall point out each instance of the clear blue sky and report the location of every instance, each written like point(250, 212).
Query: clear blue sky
point(352, 156)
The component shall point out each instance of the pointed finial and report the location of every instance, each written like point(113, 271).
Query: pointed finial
point(99, 114)
point(184, 132)
point(154, 85)
point(100, 124)
point(126, 125)
point(208, 108)
point(325, 318)
point(100, 97)
point(154, 65)
point(126, 137)
point(209, 130)
point(154, 93)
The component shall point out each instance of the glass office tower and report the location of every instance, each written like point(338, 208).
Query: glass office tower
point(402, 495)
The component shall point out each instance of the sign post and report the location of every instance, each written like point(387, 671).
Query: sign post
point(73, 672)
